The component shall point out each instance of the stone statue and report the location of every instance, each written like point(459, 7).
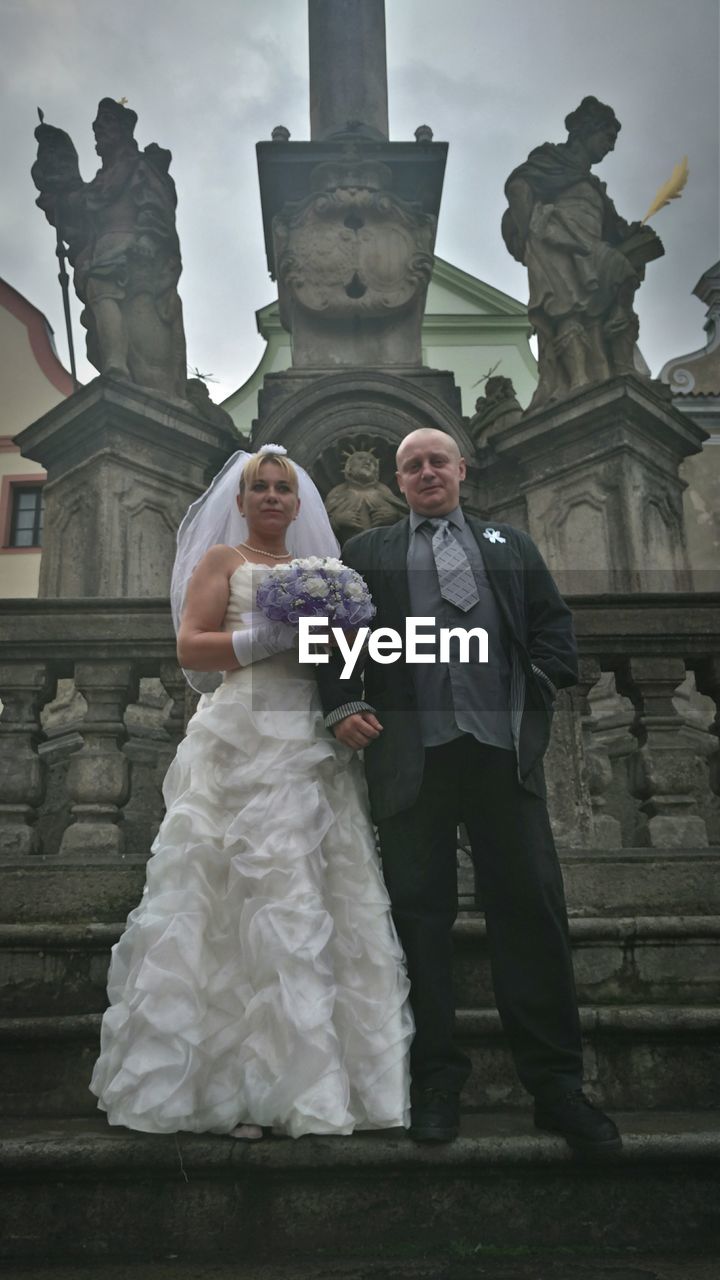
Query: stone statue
point(495, 412)
point(197, 393)
point(362, 501)
point(120, 229)
point(584, 261)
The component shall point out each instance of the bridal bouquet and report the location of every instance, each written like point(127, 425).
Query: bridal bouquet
point(315, 587)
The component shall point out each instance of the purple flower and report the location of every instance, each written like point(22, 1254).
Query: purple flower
point(316, 588)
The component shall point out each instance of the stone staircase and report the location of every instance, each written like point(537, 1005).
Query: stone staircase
point(646, 937)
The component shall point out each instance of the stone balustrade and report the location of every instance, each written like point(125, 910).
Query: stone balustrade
point(94, 707)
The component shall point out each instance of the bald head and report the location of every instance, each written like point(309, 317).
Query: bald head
point(430, 469)
point(427, 436)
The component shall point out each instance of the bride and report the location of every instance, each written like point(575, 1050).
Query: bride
point(260, 981)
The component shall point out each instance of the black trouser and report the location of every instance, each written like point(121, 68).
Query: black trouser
point(522, 892)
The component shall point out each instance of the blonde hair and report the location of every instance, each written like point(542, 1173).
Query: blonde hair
point(251, 470)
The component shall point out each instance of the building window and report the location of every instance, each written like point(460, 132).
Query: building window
point(26, 520)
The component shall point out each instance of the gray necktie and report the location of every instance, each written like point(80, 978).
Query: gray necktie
point(455, 576)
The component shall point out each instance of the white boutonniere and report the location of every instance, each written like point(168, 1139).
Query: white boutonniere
point(493, 535)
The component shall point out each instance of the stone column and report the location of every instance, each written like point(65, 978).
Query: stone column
point(348, 71)
point(349, 221)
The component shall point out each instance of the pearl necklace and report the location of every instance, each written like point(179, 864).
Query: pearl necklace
point(272, 554)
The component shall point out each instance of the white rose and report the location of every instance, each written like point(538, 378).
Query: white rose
point(317, 587)
point(355, 591)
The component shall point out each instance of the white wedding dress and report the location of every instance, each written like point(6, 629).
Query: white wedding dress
point(260, 980)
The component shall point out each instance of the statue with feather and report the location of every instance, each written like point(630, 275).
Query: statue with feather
point(585, 263)
point(122, 244)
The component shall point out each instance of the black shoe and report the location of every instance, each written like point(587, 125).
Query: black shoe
point(434, 1116)
point(585, 1128)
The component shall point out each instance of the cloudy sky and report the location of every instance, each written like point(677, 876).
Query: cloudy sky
point(492, 77)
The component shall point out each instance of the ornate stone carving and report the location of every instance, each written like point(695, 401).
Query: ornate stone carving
point(123, 246)
point(698, 373)
point(584, 261)
point(496, 411)
point(352, 250)
point(362, 501)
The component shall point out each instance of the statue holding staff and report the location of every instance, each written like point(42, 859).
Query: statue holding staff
point(123, 246)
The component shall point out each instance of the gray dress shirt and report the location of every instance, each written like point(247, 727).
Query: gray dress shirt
point(459, 697)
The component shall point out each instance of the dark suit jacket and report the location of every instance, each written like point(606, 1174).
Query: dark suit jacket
point(542, 639)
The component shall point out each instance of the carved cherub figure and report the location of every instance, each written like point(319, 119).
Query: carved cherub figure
point(362, 501)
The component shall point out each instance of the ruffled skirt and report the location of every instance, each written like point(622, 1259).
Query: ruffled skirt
point(260, 980)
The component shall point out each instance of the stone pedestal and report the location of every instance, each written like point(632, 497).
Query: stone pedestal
point(123, 466)
point(595, 482)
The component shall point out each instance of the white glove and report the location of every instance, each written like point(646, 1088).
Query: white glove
point(262, 638)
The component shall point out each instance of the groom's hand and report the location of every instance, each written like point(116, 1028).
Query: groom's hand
point(358, 730)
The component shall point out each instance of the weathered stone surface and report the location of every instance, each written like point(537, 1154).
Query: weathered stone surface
point(512, 1262)
point(630, 961)
point(317, 417)
point(123, 466)
point(348, 71)
point(698, 373)
point(123, 245)
point(353, 265)
point(82, 1191)
point(61, 967)
point(84, 633)
point(642, 1056)
point(595, 481)
point(24, 688)
point(566, 777)
point(694, 381)
point(496, 411)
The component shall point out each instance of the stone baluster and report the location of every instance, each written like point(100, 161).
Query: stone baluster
point(98, 775)
point(175, 684)
point(175, 723)
point(707, 681)
point(25, 687)
point(607, 832)
point(663, 770)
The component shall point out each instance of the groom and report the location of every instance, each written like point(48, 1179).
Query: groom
point(463, 742)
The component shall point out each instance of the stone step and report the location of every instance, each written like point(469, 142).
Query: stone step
point(617, 960)
point(61, 967)
point(80, 1191)
point(635, 1057)
point(56, 967)
point(615, 882)
point(479, 1262)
